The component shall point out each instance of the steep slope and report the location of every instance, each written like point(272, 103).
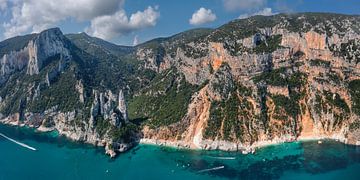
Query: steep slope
point(52, 84)
point(87, 42)
point(248, 83)
point(266, 80)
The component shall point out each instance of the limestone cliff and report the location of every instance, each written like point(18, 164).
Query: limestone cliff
point(45, 85)
point(47, 44)
point(272, 82)
point(246, 84)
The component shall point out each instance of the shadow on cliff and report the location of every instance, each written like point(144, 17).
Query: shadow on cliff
point(139, 121)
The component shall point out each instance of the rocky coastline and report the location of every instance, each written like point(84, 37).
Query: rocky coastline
point(238, 147)
point(242, 86)
point(206, 144)
point(83, 137)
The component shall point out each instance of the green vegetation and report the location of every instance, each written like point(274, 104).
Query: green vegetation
point(269, 45)
point(234, 48)
point(214, 122)
point(166, 104)
point(328, 102)
point(163, 98)
point(319, 62)
point(60, 93)
point(241, 28)
point(171, 44)
point(319, 103)
point(243, 90)
point(92, 44)
point(14, 44)
point(102, 125)
point(232, 122)
point(280, 77)
point(99, 69)
point(284, 77)
point(12, 95)
point(354, 125)
point(334, 77)
point(354, 89)
point(290, 105)
point(193, 52)
point(337, 101)
point(349, 51)
point(233, 113)
point(263, 117)
point(124, 133)
point(298, 54)
point(275, 77)
point(297, 24)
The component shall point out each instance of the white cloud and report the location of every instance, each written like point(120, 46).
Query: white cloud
point(136, 40)
point(232, 5)
point(263, 12)
point(3, 5)
point(110, 26)
point(37, 15)
point(104, 16)
point(202, 16)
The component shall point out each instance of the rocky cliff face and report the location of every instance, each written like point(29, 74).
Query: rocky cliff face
point(44, 85)
point(272, 82)
point(49, 43)
point(246, 84)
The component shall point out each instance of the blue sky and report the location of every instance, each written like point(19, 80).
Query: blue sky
point(122, 21)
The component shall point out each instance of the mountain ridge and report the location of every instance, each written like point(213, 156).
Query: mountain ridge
point(248, 83)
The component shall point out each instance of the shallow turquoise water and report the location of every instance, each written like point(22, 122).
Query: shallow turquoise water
point(58, 158)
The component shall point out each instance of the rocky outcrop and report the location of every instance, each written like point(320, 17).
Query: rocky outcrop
point(122, 106)
point(14, 61)
point(109, 106)
point(80, 89)
point(222, 83)
point(46, 45)
point(284, 106)
point(152, 57)
point(244, 85)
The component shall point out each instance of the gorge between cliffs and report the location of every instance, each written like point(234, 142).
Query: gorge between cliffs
point(247, 84)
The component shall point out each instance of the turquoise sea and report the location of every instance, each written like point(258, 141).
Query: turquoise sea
point(58, 158)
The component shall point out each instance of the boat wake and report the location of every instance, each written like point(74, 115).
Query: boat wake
point(211, 169)
point(17, 142)
point(224, 158)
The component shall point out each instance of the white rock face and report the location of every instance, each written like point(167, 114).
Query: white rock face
point(105, 105)
point(49, 43)
point(80, 89)
point(122, 106)
point(94, 111)
point(147, 55)
point(12, 62)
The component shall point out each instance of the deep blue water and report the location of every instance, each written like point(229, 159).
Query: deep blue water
point(58, 158)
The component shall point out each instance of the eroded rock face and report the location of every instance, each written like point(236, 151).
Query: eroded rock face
point(151, 59)
point(42, 75)
point(306, 69)
point(109, 106)
point(222, 83)
point(122, 106)
point(80, 88)
point(49, 43)
point(241, 86)
point(12, 62)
